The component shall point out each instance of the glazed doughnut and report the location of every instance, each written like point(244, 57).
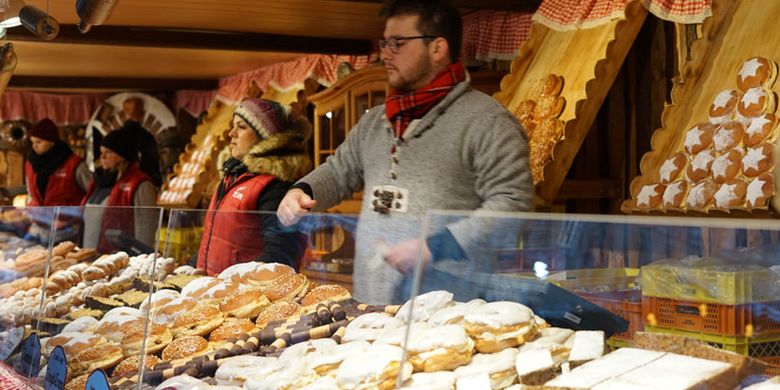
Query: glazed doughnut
point(236, 370)
point(103, 356)
point(424, 306)
point(239, 273)
point(454, 314)
point(157, 337)
point(302, 351)
point(247, 303)
point(728, 136)
point(674, 195)
point(650, 196)
point(499, 366)
point(671, 168)
point(198, 321)
point(185, 347)
point(264, 274)
point(700, 196)
point(168, 313)
point(442, 380)
point(397, 336)
point(730, 194)
point(755, 102)
point(370, 326)
point(325, 293)
point(756, 72)
point(197, 287)
point(700, 166)
point(699, 137)
point(757, 160)
point(440, 349)
point(727, 166)
point(377, 367)
point(278, 311)
point(327, 363)
point(759, 129)
point(158, 300)
point(498, 325)
point(723, 107)
point(83, 324)
point(133, 363)
point(759, 191)
point(287, 287)
point(232, 327)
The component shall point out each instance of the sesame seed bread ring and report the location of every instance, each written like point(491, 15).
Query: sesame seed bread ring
point(440, 349)
point(370, 326)
point(498, 325)
point(102, 356)
point(198, 321)
point(499, 366)
point(185, 347)
point(325, 293)
point(425, 305)
point(132, 364)
point(377, 367)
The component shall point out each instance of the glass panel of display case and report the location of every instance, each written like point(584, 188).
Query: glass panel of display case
point(513, 283)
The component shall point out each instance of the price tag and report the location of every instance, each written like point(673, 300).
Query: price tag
point(97, 380)
point(11, 343)
point(31, 356)
point(56, 370)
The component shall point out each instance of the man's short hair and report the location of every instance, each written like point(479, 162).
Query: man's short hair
point(438, 18)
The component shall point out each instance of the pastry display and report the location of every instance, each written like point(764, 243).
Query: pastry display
point(650, 196)
point(759, 129)
point(756, 72)
point(757, 160)
point(724, 106)
point(730, 194)
point(672, 167)
point(726, 166)
point(727, 136)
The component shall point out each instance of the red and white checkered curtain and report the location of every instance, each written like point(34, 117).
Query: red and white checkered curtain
point(10, 380)
point(563, 15)
point(494, 35)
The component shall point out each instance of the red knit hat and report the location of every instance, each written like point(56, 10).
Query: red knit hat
point(46, 130)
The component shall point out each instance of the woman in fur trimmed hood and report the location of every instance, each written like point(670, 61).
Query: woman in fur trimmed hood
point(266, 155)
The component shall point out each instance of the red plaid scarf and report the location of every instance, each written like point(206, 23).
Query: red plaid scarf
point(402, 107)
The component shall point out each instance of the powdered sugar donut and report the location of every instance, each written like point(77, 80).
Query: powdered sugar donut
point(699, 137)
point(730, 194)
point(701, 164)
point(498, 325)
point(370, 326)
point(759, 129)
point(700, 196)
point(757, 160)
point(727, 166)
point(756, 72)
point(650, 196)
point(674, 195)
point(671, 168)
point(759, 191)
point(728, 135)
point(424, 305)
point(377, 367)
point(755, 102)
point(723, 107)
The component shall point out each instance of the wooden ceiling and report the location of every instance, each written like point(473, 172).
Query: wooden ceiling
point(180, 44)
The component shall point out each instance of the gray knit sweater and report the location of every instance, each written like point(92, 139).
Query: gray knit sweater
point(467, 153)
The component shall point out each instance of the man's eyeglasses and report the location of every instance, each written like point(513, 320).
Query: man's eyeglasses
point(394, 44)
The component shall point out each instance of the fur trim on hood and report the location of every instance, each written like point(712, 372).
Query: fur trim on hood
point(283, 155)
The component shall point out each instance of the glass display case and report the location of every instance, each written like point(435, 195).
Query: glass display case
point(501, 299)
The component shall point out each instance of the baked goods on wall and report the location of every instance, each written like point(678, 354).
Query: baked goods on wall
point(725, 162)
point(538, 114)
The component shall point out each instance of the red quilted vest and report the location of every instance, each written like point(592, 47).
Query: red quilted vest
point(62, 188)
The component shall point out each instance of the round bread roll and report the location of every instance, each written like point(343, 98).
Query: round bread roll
point(759, 129)
point(197, 287)
point(103, 356)
point(440, 349)
point(265, 274)
point(278, 311)
point(650, 196)
point(498, 325)
point(723, 107)
point(167, 314)
point(699, 137)
point(157, 337)
point(185, 347)
point(133, 363)
point(325, 293)
point(674, 195)
point(198, 321)
point(549, 85)
point(700, 165)
point(288, 287)
point(755, 102)
point(756, 72)
point(730, 194)
point(759, 191)
point(726, 166)
point(700, 196)
point(757, 160)
point(232, 327)
point(728, 136)
point(246, 303)
point(672, 167)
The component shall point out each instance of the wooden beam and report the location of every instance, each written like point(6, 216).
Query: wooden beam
point(110, 83)
point(198, 39)
point(497, 5)
point(589, 189)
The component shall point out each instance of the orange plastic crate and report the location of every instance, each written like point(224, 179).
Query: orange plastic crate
point(731, 320)
point(625, 303)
